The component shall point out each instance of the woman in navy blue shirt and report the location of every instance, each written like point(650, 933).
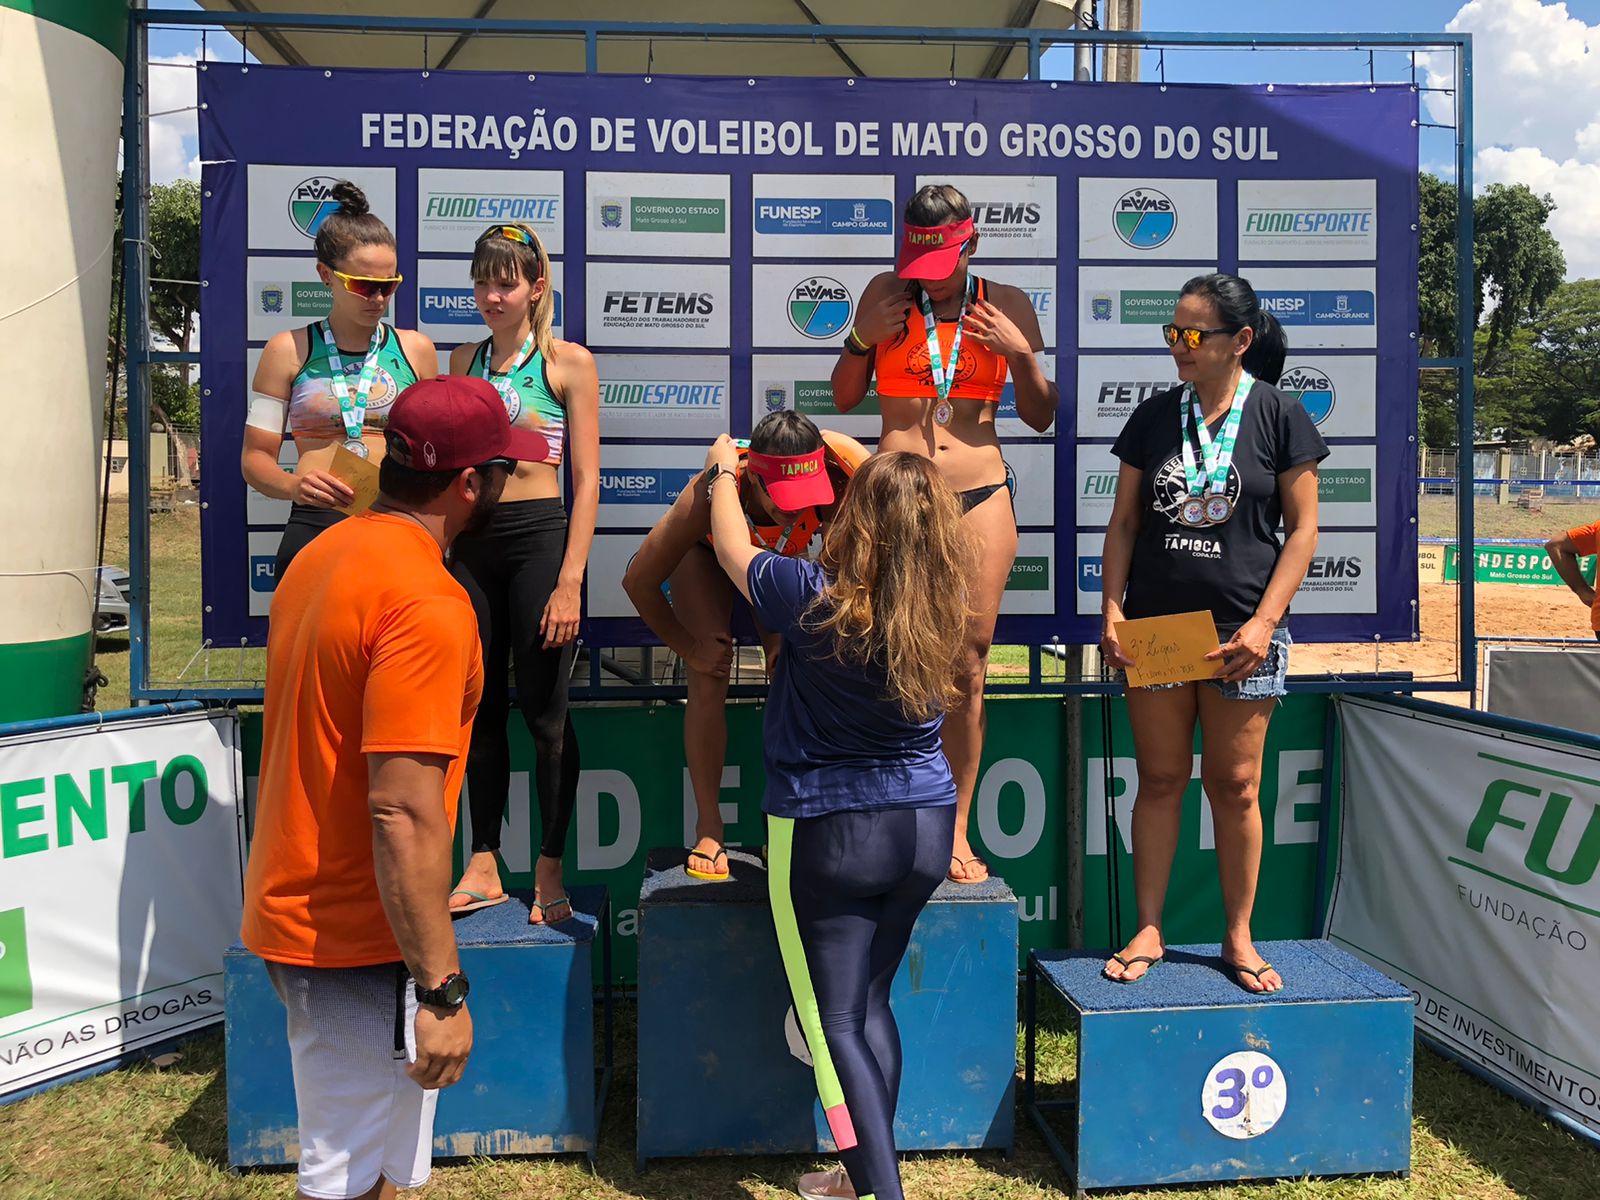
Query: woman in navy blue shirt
point(859, 795)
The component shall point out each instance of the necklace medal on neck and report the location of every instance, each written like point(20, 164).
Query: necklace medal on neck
point(352, 409)
point(1200, 509)
point(944, 379)
point(503, 383)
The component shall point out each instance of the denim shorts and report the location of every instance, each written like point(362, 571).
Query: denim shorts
point(1267, 682)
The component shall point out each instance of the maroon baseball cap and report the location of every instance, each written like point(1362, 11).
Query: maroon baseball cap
point(453, 422)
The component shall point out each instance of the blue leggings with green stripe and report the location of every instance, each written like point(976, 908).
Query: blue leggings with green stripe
point(846, 890)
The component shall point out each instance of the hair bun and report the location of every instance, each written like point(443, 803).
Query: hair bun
point(352, 200)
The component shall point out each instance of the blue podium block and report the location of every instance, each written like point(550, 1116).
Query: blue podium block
point(716, 1074)
point(531, 1085)
point(1184, 1077)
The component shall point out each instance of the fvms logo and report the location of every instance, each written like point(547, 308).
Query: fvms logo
point(1312, 388)
point(1145, 218)
point(820, 307)
point(310, 202)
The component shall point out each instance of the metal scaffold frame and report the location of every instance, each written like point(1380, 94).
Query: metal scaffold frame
point(136, 271)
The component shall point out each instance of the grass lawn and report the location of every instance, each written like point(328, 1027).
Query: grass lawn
point(146, 1132)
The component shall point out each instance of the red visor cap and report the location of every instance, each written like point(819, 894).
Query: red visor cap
point(456, 421)
point(931, 251)
point(795, 481)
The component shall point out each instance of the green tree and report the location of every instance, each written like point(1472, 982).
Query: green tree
point(1516, 259)
point(1566, 331)
point(1436, 266)
point(174, 269)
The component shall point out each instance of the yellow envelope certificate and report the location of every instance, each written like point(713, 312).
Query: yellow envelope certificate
point(361, 475)
point(1169, 649)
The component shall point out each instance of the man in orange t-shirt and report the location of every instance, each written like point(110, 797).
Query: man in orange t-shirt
point(1564, 551)
point(373, 678)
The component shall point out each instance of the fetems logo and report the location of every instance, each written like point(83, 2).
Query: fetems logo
point(1145, 218)
point(310, 202)
point(820, 307)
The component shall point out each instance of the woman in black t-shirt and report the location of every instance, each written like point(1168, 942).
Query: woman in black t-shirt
point(1184, 537)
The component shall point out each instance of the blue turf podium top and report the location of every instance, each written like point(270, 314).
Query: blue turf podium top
point(506, 925)
point(667, 882)
point(1314, 972)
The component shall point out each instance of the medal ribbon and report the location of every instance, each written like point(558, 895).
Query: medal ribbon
point(1215, 457)
point(944, 380)
point(503, 384)
point(352, 411)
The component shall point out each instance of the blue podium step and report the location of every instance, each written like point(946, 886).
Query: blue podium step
point(1184, 1077)
point(716, 1072)
point(531, 1085)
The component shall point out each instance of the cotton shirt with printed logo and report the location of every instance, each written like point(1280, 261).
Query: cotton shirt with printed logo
point(372, 649)
point(832, 742)
point(1222, 568)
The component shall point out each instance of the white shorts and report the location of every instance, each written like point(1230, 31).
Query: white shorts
point(361, 1115)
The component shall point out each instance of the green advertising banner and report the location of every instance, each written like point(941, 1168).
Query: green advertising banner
point(1511, 564)
point(633, 796)
point(1291, 782)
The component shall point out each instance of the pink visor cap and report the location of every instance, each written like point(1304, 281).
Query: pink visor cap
point(794, 481)
point(931, 251)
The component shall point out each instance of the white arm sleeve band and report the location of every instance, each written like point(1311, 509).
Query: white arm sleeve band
point(269, 413)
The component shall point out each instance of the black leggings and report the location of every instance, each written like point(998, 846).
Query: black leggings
point(303, 525)
point(509, 570)
point(846, 889)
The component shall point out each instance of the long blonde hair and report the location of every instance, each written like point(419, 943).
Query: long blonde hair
point(496, 258)
point(899, 558)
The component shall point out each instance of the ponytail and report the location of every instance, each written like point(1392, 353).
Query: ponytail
point(1267, 350)
point(1238, 308)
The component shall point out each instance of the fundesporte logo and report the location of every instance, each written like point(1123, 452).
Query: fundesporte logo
point(1312, 388)
point(820, 307)
point(1145, 218)
point(310, 202)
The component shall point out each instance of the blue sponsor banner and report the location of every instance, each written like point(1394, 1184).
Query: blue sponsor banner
point(475, 120)
point(1319, 307)
point(824, 215)
point(263, 572)
point(644, 485)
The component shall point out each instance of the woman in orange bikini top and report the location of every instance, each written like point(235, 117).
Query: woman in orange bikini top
point(943, 343)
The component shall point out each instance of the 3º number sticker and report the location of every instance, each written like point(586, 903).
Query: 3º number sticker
point(1244, 1095)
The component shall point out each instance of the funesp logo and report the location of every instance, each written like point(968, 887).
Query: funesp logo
point(310, 203)
point(1144, 218)
point(263, 576)
point(1534, 815)
point(1090, 572)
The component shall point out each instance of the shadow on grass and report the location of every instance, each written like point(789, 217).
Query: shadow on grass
point(201, 1130)
point(1538, 1159)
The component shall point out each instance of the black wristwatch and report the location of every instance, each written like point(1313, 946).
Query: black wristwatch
point(451, 992)
point(714, 470)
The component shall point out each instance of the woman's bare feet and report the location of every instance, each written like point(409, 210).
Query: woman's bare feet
point(551, 905)
point(1145, 943)
point(1251, 970)
point(481, 876)
point(708, 858)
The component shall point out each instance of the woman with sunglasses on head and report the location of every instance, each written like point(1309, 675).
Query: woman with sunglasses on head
point(858, 790)
point(524, 570)
point(1209, 469)
point(942, 342)
point(331, 383)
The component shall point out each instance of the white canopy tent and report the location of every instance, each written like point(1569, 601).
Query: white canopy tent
point(920, 55)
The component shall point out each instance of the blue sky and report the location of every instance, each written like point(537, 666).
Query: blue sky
point(1537, 93)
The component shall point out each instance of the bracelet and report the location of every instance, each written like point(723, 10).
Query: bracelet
point(854, 345)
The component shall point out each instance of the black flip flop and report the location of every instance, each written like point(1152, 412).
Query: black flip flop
point(1150, 965)
point(1256, 974)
